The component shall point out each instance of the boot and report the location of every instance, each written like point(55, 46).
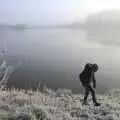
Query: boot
point(97, 104)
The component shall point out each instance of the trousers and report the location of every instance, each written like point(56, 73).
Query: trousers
point(88, 89)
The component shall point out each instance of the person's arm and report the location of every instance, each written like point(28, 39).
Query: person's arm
point(94, 80)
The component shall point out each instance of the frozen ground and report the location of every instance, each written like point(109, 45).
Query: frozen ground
point(59, 105)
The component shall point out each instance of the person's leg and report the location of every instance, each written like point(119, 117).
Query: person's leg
point(86, 93)
point(93, 96)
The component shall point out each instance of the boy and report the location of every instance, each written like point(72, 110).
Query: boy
point(86, 77)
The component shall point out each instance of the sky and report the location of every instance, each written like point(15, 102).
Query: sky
point(51, 11)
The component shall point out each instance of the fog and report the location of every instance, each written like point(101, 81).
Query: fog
point(51, 12)
point(55, 57)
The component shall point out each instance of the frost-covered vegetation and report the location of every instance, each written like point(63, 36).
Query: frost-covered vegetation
point(60, 105)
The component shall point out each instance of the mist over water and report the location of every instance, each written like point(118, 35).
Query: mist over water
point(56, 57)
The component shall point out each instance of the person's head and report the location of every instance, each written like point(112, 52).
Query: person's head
point(95, 67)
point(88, 67)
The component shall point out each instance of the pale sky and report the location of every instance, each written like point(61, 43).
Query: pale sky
point(51, 11)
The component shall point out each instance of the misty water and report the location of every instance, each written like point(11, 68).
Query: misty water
point(55, 57)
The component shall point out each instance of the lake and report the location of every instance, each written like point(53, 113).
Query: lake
point(55, 57)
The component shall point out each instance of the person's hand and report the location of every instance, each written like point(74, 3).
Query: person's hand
point(94, 86)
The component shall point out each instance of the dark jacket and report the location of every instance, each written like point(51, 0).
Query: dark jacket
point(85, 76)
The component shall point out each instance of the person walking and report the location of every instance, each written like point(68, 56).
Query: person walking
point(87, 76)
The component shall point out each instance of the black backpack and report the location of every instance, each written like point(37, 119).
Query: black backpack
point(85, 75)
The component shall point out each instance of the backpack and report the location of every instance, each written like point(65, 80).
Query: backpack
point(86, 74)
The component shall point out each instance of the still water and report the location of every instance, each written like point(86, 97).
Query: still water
point(55, 57)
